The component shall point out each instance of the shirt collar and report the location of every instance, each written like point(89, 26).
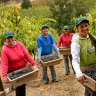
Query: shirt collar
point(65, 34)
point(15, 43)
point(45, 36)
point(84, 38)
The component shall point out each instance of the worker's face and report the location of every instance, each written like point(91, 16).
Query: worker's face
point(10, 40)
point(83, 29)
point(45, 31)
point(66, 31)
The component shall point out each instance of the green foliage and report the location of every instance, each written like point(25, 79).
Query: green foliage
point(26, 4)
point(26, 29)
point(92, 18)
point(0, 1)
point(54, 34)
point(29, 30)
point(63, 11)
point(9, 20)
point(91, 4)
point(36, 12)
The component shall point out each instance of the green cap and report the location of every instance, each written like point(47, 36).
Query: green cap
point(81, 19)
point(45, 26)
point(66, 27)
point(8, 34)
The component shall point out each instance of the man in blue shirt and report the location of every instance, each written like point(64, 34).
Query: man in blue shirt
point(45, 43)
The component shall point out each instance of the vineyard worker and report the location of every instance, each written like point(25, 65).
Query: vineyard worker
point(14, 56)
point(65, 41)
point(45, 43)
point(83, 50)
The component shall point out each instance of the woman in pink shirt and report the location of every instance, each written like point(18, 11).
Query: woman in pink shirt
point(14, 56)
point(65, 41)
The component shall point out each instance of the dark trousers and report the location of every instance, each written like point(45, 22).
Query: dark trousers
point(21, 90)
point(45, 75)
point(89, 92)
point(66, 62)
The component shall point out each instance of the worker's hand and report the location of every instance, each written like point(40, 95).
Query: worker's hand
point(39, 61)
point(28, 65)
point(35, 67)
point(82, 79)
point(5, 80)
point(59, 55)
point(58, 48)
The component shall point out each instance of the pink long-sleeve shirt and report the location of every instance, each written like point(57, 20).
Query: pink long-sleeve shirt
point(65, 40)
point(13, 58)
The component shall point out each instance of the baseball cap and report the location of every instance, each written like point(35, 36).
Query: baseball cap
point(81, 19)
point(44, 26)
point(66, 27)
point(8, 34)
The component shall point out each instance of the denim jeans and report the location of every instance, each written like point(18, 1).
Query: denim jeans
point(89, 92)
point(45, 75)
point(66, 62)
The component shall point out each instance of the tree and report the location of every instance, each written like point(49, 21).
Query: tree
point(26, 29)
point(1, 1)
point(63, 11)
point(92, 18)
point(26, 4)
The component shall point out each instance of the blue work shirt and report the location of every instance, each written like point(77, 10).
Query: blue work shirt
point(46, 44)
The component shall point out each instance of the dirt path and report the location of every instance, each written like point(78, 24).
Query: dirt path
point(67, 85)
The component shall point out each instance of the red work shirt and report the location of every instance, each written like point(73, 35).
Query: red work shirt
point(65, 40)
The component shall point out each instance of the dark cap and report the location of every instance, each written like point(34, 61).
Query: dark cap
point(80, 20)
point(8, 34)
point(44, 26)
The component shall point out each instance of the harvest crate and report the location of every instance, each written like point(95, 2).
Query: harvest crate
point(65, 51)
point(23, 79)
point(53, 61)
point(2, 93)
point(91, 83)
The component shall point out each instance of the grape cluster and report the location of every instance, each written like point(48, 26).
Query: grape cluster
point(91, 73)
point(20, 73)
point(46, 59)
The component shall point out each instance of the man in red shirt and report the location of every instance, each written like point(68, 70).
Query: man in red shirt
point(65, 41)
